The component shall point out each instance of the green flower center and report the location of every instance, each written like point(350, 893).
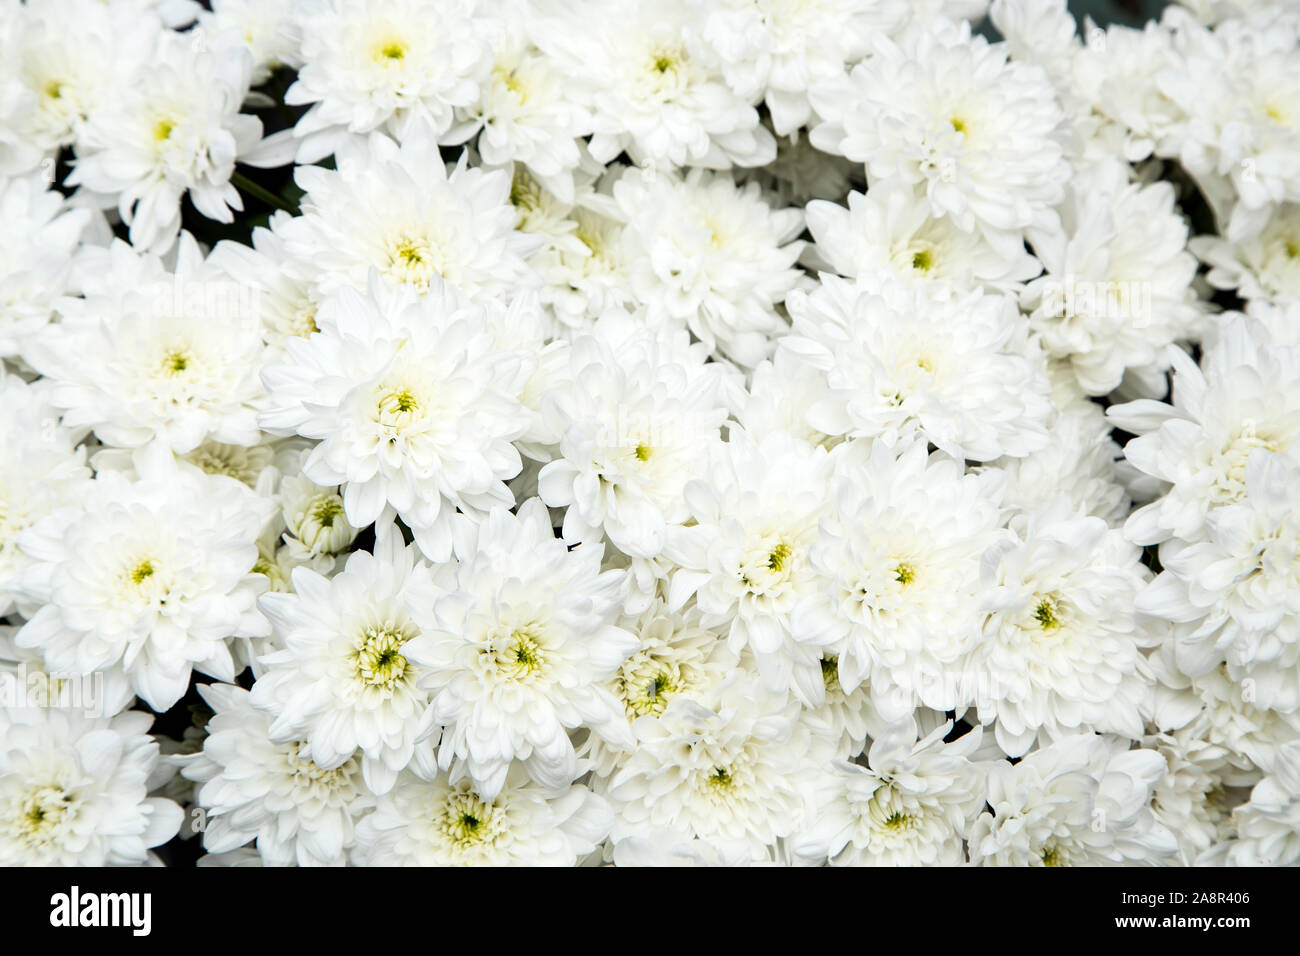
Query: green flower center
point(378, 659)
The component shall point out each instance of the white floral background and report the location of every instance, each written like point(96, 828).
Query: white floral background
point(649, 432)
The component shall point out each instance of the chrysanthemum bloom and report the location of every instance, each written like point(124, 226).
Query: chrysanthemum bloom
point(1225, 708)
point(1240, 138)
point(678, 658)
point(1238, 591)
point(447, 822)
point(652, 85)
point(1266, 266)
point(893, 230)
point(776, 49)
point(911, 806)
point(152, 354)
point(526, 112)
point(745, 555)
point(710, 256)
point(74, 789)
point(386, 65)
point(314, 519)
point(268, 29)
point(948, 112)
point(917, 359)
point(177, 131)
point(39, 235)
point(341, 682)
point(667, 846)
point(74, 57)
point(41, 471)
point(1081, 802)
point(414, 406)
point(1082, 461)
point(733, 770)
point(253, 788)
point(286, 305)
point(1245, 396)
point(1190, 800)
point(1061, 649)
point(843, 720)
point(517, 643)
point(1117, 289)
point(585, 261)
point(897, 564)
point(637, 417)
point(152, 576)
point(1268, 827)
point(399, 210)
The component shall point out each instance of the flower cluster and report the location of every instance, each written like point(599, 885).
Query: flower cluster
point(850, 432)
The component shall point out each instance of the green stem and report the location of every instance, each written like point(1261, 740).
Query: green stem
point(246, 185)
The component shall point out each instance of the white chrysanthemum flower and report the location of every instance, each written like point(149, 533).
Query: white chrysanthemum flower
point(266, 28)
point(25, 681)
point(1237, 87)
point(736, 770)
point(1227, 709)
point(176, 132)
point(1117, 289)
point(525, 112)
point(1266, 266)
point(341, 682)
point(745, 556)
point(1190, 800)
point(910, 806)
point(253, 788)
point(447, 822)
point(1081, 462)
point(18, 154)
point(398, 210)
point(76, 57)
point(1081, 802)
point(285, 305)
point(667, 846)
point(517, 642)
point(41, 471)
point(891, 231)
point(1245, 396)
point(1268, 827)
point(897, 565)
point(919, 360)
point(711, 256)
point(254, 465)
point(74, 789)
point(637, 416)
point(782, 391)
point(947, 111)
point(777, 49)
point(151, 355)
point(844, 718)
point(39, 235)
point(1238, 592)
point(314, 519)
point(585, 262)
point(152, 576)
point(414, 404)
point(678, 658)
point(1119, 73)
point(1061, 650)
point(386, 65)
point(652, 85)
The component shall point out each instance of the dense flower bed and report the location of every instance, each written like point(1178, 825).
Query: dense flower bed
point(649, 432)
